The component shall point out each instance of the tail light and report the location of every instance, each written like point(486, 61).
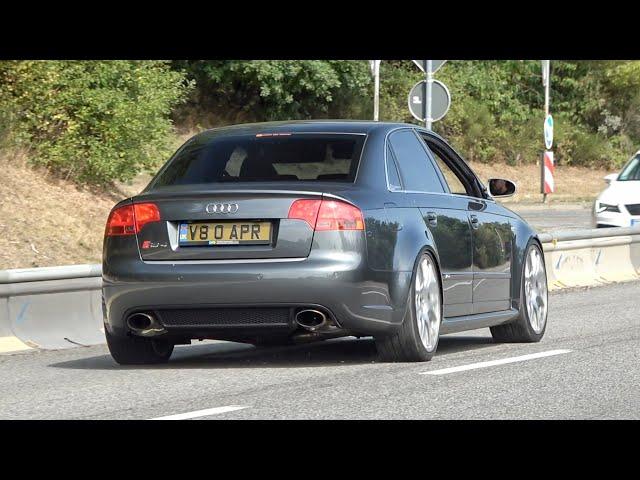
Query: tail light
point(129, 219)
point(323, 215)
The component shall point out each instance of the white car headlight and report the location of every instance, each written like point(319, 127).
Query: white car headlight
point(605, 207)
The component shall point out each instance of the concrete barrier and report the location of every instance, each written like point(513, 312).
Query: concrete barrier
point(60, 307)
point(580, 258)
point(50, 308)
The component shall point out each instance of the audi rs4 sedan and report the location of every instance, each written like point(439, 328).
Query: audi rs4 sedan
point(278, 233)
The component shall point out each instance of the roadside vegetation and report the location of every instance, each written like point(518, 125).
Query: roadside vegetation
point(96, 122)
point(75, 136)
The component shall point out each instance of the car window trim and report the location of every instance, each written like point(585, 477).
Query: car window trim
point(467, 180)
point(425, 147)
point(395, 166)
point(386, 172)
point(457, 160)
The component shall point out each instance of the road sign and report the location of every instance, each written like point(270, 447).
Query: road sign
point(440, 100)
point(548, 132)
point(435, 65)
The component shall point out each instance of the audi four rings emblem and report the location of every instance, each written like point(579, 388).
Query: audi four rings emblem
point(222, 208)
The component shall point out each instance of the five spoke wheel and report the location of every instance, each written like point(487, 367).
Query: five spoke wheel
point(427, 303)
point(535, 290)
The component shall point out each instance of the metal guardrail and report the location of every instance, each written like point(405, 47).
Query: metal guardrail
point(60, 307)
point(587, 234)
point(19, 275)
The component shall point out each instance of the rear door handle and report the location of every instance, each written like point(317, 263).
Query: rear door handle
point(432, 219)
point(475, 223)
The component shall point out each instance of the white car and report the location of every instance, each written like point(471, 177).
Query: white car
point(619, 204)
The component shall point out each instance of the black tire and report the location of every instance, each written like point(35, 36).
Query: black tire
point(520, 330)
point(138, 351)
point(405, 344)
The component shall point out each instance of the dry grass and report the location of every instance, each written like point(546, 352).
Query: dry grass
point(46, 221)
point(573, 184)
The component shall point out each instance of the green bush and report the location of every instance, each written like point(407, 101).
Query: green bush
point(92, 121)
point(260, 90)
point(99, 121)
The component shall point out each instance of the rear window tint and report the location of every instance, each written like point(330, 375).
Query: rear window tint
point(264, 158)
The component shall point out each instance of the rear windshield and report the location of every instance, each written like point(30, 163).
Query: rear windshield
point(264, 158)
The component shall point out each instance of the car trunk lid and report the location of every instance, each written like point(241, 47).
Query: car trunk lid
point(230, 224)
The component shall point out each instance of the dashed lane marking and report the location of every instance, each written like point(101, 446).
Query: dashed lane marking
point(202, 413)
point(493, 363)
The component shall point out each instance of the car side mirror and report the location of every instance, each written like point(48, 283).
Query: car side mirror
point(612, 177)
point(499, 187)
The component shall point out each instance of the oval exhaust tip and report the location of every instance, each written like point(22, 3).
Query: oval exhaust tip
point(311, 319)
point(140, 321)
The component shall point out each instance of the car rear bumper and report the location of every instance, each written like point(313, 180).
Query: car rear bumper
point(358, 299)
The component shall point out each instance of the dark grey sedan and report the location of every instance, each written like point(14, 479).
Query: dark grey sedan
point(275, 233)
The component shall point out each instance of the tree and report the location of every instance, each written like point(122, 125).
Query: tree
point(92, 121)
point(259, 90)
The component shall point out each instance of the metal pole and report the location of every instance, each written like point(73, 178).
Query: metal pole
point(546, 89)
point(376, 89)
point(427, 94)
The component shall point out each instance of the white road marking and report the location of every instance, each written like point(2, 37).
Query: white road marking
point(493, 363)
point(201, 413)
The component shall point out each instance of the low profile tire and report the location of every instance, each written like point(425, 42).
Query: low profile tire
point(417, 338)
point(531, 323)
point(138, 351)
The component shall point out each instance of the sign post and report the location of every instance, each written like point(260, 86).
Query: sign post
point(375, 71)
point(429, 99)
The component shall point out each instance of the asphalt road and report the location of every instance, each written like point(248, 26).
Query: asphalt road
point(550, 217)
point(586, 367)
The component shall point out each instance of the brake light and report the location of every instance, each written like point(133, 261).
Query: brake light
point(129, 219)
point(335, 215)
point(324, 215)
point(306, 210)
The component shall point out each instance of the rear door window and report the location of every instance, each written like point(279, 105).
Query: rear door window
point(416, 169)
point(264, 158)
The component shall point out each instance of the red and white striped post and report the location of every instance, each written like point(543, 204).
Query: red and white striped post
point(547, 183)
point(548, 169)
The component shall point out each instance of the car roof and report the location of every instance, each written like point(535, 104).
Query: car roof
point(305, 126)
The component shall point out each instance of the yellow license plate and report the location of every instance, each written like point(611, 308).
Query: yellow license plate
point(225, 233)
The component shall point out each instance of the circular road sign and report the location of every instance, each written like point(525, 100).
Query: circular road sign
point(440, 100)
point(548, 132)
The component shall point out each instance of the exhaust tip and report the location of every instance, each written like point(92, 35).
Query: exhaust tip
point(140, 321)
point(144, 324)
point(311, 319)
